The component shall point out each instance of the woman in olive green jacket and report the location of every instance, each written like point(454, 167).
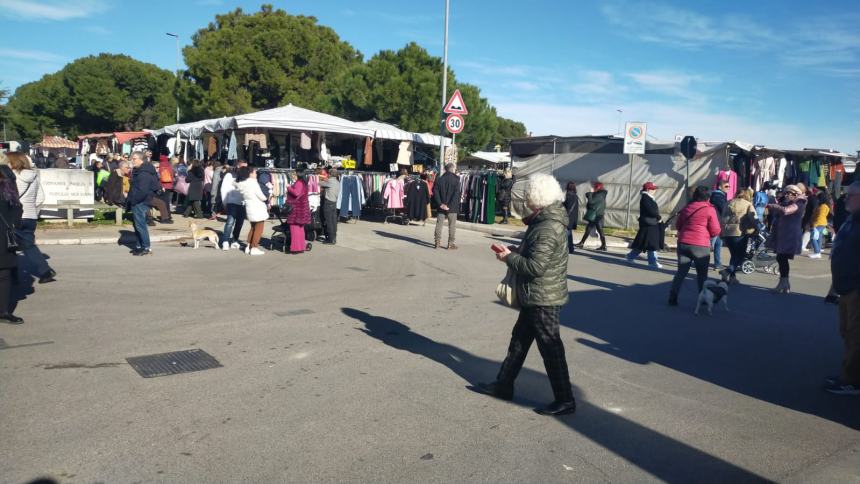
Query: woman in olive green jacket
point(540, 263)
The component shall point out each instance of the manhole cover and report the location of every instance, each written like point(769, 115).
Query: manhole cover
point(164, 364)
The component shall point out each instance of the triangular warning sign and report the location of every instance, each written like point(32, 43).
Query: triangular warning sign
point(456, 104)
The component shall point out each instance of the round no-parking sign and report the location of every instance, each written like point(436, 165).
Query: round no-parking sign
point(455, 123)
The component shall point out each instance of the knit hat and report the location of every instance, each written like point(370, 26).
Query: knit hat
point(649, 186)
point(792, 188)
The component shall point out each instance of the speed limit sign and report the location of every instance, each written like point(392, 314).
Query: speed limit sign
point(455, 123)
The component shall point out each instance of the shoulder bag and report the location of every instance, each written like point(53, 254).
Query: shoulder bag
point(9, 233)
point(506, 291)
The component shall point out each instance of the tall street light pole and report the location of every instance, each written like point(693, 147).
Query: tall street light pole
point(176, 72)
point(444, 89)
point(619, 120)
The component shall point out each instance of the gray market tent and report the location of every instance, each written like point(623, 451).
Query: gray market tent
point(585, 159)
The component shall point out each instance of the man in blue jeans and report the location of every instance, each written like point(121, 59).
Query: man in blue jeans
point(720, 201)
point(144, 186)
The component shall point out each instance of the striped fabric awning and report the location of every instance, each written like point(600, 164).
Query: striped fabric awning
point(56, 142)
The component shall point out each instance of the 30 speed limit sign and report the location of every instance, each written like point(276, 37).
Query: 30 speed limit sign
point(455, 123)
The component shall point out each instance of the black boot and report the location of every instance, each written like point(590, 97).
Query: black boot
point(11, 318)
point(557, 409)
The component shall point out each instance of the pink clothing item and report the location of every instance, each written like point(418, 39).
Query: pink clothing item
point(394, 194)
point(297, 196)
point(297, 238)
point(732, 178)
point(313, 184)
point(697, 224)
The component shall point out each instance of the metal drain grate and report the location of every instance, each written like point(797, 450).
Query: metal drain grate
point(186, 361)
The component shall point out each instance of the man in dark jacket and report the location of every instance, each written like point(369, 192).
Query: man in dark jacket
point(720, 201)
point(144, 186)
point(845, 268)
point(446, 195)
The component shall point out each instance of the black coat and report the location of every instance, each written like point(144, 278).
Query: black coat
point(417, 198)
point(504, 192)
point(649, 236)
point(595, 206)
point(571, 204)
point(446, 191)
point(144, 185)
point(11, 212)
point(195, 179)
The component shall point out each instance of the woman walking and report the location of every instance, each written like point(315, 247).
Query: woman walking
point(595, 208)
point(195, 179)
point(571, 205)
point(818, 224)
point(30, 197)
point(540, 263)
point(504, 195)
point(649, 237)
point(255, 207)
point(787, 232)
point(697, 224)
point(297, 197)
point(739, 223)
point(10, 217)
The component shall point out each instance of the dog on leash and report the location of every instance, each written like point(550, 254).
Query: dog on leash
point(712, 293)
point(199, 234)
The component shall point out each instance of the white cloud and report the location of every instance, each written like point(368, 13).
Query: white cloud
point(597, 86)
point(667, 120)
point(670, 83)
point(29, 55)
point(51, 9)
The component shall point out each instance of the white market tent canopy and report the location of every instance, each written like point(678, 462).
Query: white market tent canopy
point(294, 118)
point(392, 132)
point(495, 157)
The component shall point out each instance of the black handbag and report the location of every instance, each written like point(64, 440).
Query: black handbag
point(11, 238)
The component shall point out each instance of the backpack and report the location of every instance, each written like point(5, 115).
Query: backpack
point(165, 175)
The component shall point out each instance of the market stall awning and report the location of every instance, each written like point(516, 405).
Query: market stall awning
point(294, 118)
point(125, 136)
point(392, 132)
point(195, 129)
point(491, 156)
point(95, 135)
point(56, 142)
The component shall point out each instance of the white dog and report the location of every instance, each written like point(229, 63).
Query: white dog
point(712, 293)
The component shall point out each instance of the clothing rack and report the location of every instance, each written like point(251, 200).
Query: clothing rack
point(478, 195)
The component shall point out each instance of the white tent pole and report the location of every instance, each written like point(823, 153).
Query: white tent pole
point(629, 192)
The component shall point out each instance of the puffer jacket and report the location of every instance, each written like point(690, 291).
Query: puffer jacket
point(28, 189)
point(541, 264)
point(736, 210)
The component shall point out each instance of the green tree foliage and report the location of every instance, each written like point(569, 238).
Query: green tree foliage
point(94, 94)
point(243, 63)
point(403, 88)
point(508, 129)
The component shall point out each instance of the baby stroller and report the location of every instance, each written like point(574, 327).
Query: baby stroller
point(282, 231)
point(757, 256)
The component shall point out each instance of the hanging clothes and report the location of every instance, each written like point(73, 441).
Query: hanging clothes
point(368, 151)
point(232, 149)
point(351, 196)
point(732, 179)
point(741, 166)
point(394, 193)
point(404, 154)
point(417, 198)
point(304, 141)
point(763, 170)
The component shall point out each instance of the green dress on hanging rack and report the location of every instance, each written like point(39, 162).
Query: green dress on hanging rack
point(490, 206)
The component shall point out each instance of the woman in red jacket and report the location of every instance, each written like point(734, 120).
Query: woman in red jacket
point(297, 197)
point(697, 224)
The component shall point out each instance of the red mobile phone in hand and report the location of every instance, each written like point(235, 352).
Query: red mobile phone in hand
point(498, 249)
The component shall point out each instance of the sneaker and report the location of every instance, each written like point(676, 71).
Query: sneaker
point(815, 256)
point(143, 252)
point(225, 246)
point(656, 265)
point(247, 249)
point(256, 251)
point(235, 245)
point(840, 389)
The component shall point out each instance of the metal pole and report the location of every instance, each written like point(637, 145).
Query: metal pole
point(629, 192)
point(687, 182)
point(176, 73)
point(444, 89)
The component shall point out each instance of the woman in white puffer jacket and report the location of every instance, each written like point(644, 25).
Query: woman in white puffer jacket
point(256, 210)
point(29, 190)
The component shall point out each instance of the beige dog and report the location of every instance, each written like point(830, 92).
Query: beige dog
point(203, 234)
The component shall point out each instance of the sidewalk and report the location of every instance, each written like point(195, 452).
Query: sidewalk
point(114, 234)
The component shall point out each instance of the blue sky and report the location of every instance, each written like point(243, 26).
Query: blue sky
point(780, 73)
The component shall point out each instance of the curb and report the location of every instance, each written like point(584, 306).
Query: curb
point(105, 240)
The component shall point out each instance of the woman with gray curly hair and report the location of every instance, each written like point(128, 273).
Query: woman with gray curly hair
point(540, 263)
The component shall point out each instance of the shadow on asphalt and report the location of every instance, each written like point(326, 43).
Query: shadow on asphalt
point(620, 259)
point(404, 238)
point(657, 454)
point(774, 348)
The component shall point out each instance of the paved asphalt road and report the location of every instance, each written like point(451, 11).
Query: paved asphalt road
point(351, 364)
